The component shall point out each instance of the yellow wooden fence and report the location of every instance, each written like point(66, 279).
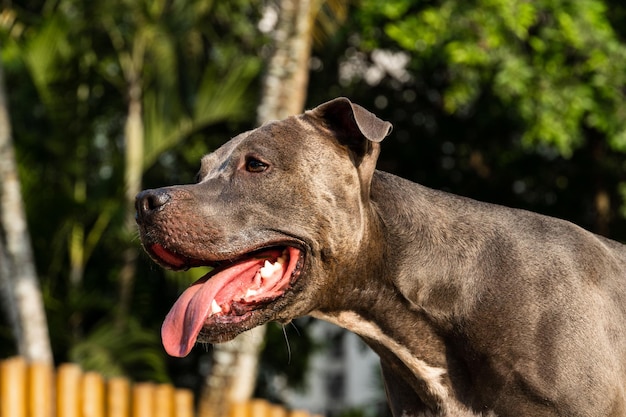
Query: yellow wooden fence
point(35, 390)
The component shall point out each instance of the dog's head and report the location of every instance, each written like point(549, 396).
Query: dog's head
point(272, 210)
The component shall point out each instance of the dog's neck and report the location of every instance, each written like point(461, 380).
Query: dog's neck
point(425, 277)
point(434, 272)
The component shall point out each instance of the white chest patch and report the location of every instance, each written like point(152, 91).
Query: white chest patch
point(352, 321)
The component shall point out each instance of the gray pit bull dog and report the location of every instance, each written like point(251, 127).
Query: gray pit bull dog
point(474, 309)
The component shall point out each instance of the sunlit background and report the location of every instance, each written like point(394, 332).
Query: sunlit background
point(514, 102)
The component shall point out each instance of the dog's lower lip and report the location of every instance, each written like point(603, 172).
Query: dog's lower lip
point(168, 257)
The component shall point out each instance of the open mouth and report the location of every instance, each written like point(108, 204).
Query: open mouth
point(229, 293)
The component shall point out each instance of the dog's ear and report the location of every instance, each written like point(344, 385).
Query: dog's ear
point(352, 123)
point(358, 129)
point(353, 126)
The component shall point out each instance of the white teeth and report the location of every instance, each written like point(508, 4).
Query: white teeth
point(265, 272)
point(215, 308)
point(250, 293)
point(268, 269)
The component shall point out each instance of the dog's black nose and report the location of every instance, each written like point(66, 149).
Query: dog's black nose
point(149, 201)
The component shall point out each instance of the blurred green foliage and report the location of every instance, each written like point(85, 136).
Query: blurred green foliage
point(558, 64)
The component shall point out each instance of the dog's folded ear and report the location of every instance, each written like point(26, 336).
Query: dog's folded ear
point(351, 120)
point(359, 130)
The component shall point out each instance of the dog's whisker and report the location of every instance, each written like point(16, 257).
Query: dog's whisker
point(287, 342)
point(295, 328)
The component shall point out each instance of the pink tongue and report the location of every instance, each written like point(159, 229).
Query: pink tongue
point(185, 320)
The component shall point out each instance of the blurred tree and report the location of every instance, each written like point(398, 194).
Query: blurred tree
point(287, 75)
point(58, 114)
point(19, 287)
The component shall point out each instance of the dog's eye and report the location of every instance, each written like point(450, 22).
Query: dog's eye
point(255, 166)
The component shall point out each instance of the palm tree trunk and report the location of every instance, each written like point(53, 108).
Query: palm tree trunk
point(134, 132)
point(287, 78)
point(19, 286)
point(131, 59)
point(233, 375)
